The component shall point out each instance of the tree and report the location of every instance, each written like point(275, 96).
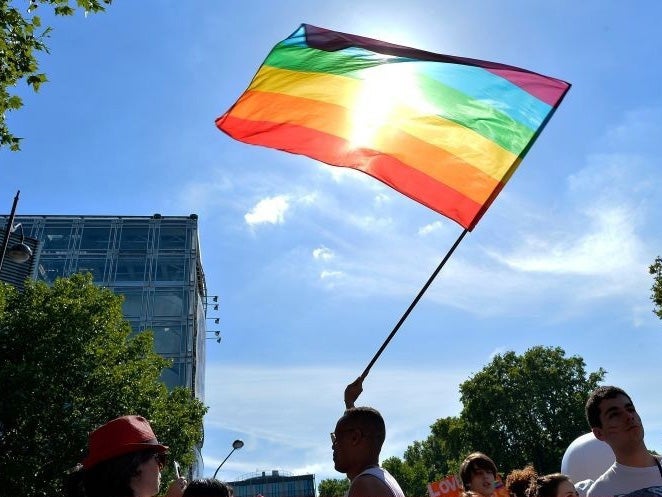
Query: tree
point(69, 362)
point(527, 409)
point(517, 409)
point(333, 487)
point(430, 460)
point(21, 39)
point(656, 296)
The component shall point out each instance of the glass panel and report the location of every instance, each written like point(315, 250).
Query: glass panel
point(133, 302)
point(170, 269)
point(130, 269)
point(92, 265)
point(49, 269)
point(134, 237)
point(95, 238)
point(170, 376)
point(56, 237)
point(168, 338)
point(169, 303)
point(173, 238)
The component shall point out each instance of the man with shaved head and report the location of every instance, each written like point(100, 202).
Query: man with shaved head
point(356, 442)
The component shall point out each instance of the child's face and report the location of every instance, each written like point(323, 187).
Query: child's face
point(482, 482)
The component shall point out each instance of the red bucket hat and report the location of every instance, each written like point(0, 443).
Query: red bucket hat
point(121, 436)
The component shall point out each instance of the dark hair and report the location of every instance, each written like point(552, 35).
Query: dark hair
point(108, 478)
point(546, 486)
point(369, 421)
point(593, 403)
point(518, 480)
point(208, 487)
point(474, 461)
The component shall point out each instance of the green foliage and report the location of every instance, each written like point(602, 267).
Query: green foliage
point(517, 409)
point(412, 476)
point(656, 296)
point(528, 408)
point(333, 487)
point(69, 363)
point(20, 41)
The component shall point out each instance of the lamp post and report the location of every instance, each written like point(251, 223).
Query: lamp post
point(237, 444)
point(19, 252)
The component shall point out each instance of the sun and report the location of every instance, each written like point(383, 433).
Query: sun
point(390, 94)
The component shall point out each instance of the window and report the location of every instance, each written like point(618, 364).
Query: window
point(92, 265)
point(130, 269)
point(133, 302)
point(172, 376)
point(134, 238)
point(169, 303)
point(49, 269)
point(56, 237)
point(173, 238)
point(168, 338)
point(170, 269)
point(95, 238)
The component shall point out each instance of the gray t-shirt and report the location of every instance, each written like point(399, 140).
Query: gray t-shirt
point(626, 481)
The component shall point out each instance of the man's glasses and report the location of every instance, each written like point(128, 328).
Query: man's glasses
point(334, 435)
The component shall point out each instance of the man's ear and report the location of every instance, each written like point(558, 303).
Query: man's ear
point(356, 436)
point(598, 433)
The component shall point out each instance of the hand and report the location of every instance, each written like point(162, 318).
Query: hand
point(177, 487)
point(352, 392)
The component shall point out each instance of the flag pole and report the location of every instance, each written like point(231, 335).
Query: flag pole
point(413, 303)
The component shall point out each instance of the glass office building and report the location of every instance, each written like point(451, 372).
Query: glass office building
point(154, 262)
point(276, 483)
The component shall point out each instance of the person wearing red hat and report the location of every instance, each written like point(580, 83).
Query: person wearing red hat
point(124, 459)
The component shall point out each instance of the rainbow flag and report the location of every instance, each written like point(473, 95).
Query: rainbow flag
point(446, 131)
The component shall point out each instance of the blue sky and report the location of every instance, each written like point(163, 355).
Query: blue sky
point(314, 264)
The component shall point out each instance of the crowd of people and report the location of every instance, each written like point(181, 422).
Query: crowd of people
point(125, 459)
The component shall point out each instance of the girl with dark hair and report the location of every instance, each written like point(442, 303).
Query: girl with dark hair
point(553, 485)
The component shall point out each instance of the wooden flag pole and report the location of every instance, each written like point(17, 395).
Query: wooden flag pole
point(413, 303)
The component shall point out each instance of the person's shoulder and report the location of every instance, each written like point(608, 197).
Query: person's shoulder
point(599, 488)
point(368, 485)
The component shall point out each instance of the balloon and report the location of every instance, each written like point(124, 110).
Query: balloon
point(586, 458)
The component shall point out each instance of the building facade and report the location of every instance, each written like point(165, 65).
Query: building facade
point(276, 483)
point(154, 262)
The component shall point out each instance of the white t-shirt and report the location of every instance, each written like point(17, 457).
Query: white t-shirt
point(627, 481)
point(386, 477)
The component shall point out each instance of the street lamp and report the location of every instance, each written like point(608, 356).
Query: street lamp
point(237, 444)
point(19, 252)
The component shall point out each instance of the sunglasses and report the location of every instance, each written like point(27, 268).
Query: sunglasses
point(160, 458)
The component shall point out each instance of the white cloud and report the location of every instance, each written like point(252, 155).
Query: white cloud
point(331, 274)
point(608, 244)
point(430, 228)
point(308, 199)
point(381, 199)
point(323, 253)
point(268, 210)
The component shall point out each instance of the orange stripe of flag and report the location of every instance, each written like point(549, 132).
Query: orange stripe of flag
point(331, 119)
